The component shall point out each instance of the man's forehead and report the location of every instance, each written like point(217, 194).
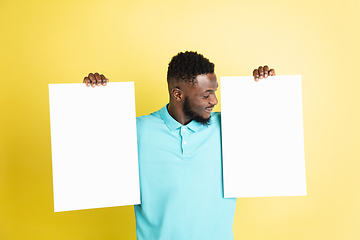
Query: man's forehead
point(201, 84)
point(206, 81)
point(211, 76)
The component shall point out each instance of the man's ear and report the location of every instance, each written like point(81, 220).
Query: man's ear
point(177, 94)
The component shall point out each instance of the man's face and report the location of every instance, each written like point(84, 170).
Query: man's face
point(200, 98)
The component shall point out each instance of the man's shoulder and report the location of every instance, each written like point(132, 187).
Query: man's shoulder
point(216, 114)
point(216, 117)
point(149, 119)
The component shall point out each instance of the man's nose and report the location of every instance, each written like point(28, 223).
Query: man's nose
point(214, 100)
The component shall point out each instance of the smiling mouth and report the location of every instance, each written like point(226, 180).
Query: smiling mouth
point(209, 110)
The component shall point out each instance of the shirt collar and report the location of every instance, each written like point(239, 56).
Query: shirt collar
point(172, 124)
point(194, 126)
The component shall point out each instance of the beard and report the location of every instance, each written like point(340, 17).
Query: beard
point(193, 115)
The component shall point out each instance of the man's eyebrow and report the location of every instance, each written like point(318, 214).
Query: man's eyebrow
point(210, 90)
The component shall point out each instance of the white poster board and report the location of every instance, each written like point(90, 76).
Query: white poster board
point(262, 137)
point(94, 146)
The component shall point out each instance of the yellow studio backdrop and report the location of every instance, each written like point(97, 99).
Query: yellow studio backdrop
point(46, 42)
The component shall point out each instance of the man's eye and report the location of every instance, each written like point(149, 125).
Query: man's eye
point(207, 96)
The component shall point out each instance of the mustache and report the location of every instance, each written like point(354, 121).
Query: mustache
point(210, 106)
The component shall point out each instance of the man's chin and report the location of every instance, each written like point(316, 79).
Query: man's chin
point(203, 121)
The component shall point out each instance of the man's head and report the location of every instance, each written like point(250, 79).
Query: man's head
point(192, 85)
point(186, 66)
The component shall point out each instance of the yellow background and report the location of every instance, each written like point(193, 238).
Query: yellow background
point(46, 42)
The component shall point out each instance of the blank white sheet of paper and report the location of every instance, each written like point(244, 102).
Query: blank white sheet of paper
point(262, 137)
point(94, 146)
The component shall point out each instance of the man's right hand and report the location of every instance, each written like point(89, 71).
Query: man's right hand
point(95, 79)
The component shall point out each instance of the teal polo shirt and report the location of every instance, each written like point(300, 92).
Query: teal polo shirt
point(181, 183)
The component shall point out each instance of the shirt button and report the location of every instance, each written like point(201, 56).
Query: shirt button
point(185, 142)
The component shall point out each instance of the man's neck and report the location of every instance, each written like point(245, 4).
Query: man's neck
point(176, 112)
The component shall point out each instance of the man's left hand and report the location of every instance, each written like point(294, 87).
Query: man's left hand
point(263, 72)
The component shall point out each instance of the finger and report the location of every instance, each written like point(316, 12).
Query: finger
point(261, 72)
point(87, 81)
point(266, 71)
point(92, 80)
point(98, 79)
point(272, 72)
point(103, 80)
point(256, 75)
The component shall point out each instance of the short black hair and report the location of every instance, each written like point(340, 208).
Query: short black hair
point(185, 66)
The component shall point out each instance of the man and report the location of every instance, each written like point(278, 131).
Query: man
point(180, 159)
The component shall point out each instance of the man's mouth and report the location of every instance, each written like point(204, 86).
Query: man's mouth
point(209, 109)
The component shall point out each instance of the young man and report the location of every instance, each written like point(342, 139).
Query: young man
point(180, 160)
